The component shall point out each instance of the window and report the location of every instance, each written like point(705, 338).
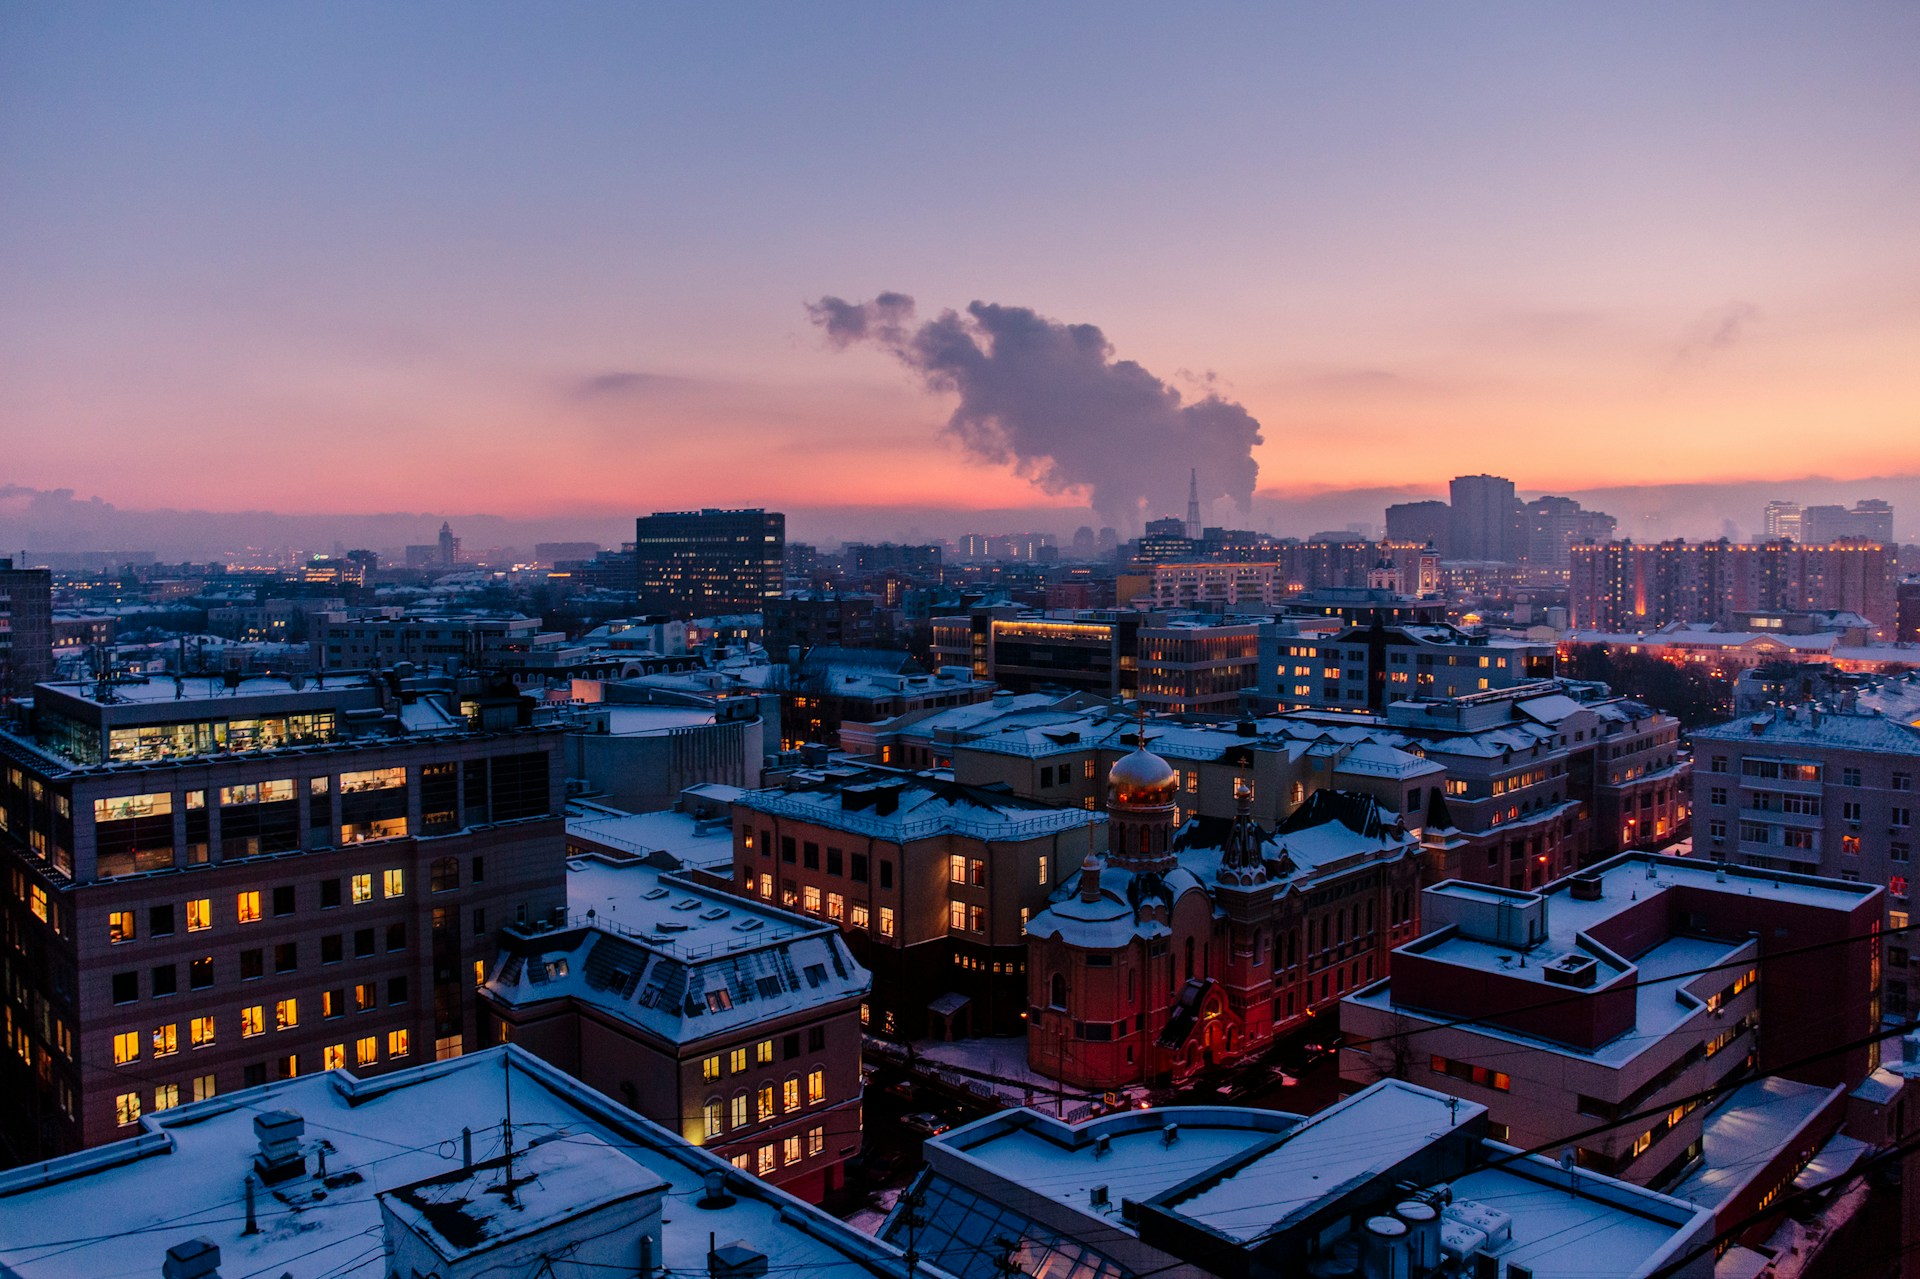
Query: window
point(394, 884)
point(126, 987)
point(253, 1021)
point(709, 1071)
point(836, 907)
point(397, 990)
point(956, 915)
point(763, 1103)
point(329, 894)
point(858, 917)
point(763, 1052)
point(1849, 777)
point(739, 1110)
point(200, 973)
point(790, 1093)
point(166, 1040)
point(886, 919)
point(790, 1149)
point(810, 899)
point(333, 1057)
point(283, 900)
point(199, 915)
point(200, 1032)
point(286, 1014)
point(333, 1003)
point(444, 875)
point(715, 1114)
point(126, 1109)
point(286, 957)
point(120, 927)
point(816, 1086)
point(362, 889)
point(331, 949)
point(365, 997)
point(397, 936)
point(366, 1051)
point(1903, 781)
point(399, 1043)
point(160, 920)
point(253, 964)
point(1481, 1075)
point(247, 907)
point(956, 869)
point(763, 1159)
point(816, 1139)
point(737, 1062)
point(362, 943)
point(719, 1001)
point(203, 1088)
point(126, 1047)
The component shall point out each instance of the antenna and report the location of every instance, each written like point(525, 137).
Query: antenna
point(506, 1061)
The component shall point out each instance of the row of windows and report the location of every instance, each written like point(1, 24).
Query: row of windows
point(366, 1052)
point(831, 906)
point(763, 1104)
point(762, 1051)
point(164, 979)
point(763, 1161)
point(250, 905)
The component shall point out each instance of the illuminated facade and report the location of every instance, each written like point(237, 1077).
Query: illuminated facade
point(1626, 586)
point(698, 563)
point(208, 888)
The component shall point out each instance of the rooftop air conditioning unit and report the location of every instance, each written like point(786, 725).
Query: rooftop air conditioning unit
point(1572, 970)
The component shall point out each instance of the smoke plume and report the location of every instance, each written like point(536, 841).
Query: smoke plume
point(1050, 399)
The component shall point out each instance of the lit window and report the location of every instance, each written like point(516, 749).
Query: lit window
point(763, 1103)
point(709, 1069)
point(286, 1014)
point(811, 900)
point(126, 1047)
point(836, 907)
point(394, 884)
point(366, 1051)
point(253, 1021)
point(399, 1043)
point(790, 1093)
point(790, 1149)
point(247, 908)
point(199, 914)
point(956, 869)
point(714, 1114)
point(764, 1158)
point(362, 888)
point(203, 1087)
point(739, 1110)
point(956, 915)
point(200, 1032)
point(333, 1057)
point(120, 927)
point(886, 921)
point(763, 1052)
point(816, 1140)
point(126, 1109)
point(858, 917)
point(166, 1097)
point(816, 1086)
point(166, 1041)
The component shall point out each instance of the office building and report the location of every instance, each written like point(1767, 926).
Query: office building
point(26, 628)
point(1363, 668)
point(1782, 522)
point(1094, 652)
point(1628, 987)
point(724, 1019)
point(1196, 667)
point(217, 882)
point(1395, 1182)
point(699, 563)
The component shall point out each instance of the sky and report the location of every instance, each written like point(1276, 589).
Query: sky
point(559, 259)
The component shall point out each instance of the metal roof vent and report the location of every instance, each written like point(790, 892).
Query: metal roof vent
point(194, 1259)
point(280, 1157)
point(736, 1261)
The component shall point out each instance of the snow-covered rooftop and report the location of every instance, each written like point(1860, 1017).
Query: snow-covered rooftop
point(115, 1210)
point(692, 840)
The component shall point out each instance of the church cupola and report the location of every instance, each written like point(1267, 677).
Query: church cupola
point(1141, 791)
point(1241, 861)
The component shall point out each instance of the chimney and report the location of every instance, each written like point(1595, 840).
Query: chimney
point(280, 1157)
point(194, 1259)
point(1090, 879)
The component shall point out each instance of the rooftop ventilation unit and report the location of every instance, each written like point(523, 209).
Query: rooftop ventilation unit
point(736, 1261)
point(280, 1157)
point(1585, 888)
point(194, 1259)
point(1572, 970)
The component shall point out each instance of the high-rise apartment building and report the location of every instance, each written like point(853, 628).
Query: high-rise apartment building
point(1625, 586)
point(213, 883)
point(1485, 520)
point(26, 628)
point(1420, 523)
point(1557, 524)
point(699, 563)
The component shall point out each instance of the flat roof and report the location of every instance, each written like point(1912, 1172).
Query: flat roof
point(673, 911)
point(692, 840)
point(1746, 1132)
point(116, 1209)
point(1571, 1236)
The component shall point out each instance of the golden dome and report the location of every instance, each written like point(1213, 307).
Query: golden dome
point(1142, 779)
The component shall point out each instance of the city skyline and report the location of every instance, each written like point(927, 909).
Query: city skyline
point(1549, 246)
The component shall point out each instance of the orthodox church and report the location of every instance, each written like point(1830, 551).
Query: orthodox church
point(1190, 947)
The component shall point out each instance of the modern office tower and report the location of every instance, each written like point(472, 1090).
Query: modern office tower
point(216, 882)
point(699, 563)
point(1420, 523)
point(1484, 522)
point(1782, 520)
point(1627, 587)
point(26, 628)
point(1873, 520)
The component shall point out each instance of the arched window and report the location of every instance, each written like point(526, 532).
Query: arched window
point(1057, 991)
point(444, 875)
point(716, 1115)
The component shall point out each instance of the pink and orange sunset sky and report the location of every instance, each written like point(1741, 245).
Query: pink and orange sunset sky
point(533, 259)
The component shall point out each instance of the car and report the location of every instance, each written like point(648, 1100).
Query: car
point(926, 1123)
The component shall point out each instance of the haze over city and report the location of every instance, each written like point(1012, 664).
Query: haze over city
point(555, 267)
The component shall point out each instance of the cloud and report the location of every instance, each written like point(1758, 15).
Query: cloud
point(618, 383)
point(1714, 332)
point(1050, 400)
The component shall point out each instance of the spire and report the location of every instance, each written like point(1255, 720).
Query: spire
point(1193, 505)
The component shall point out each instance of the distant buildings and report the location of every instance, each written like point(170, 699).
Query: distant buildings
point(1366, 667)
point(218, 883)
point(1627, 586)
point(1557, 524)
point(804, 618)
point(1422, 523)
point(26, 628)
point(698, 563)
point(1484, 520)
point(727, 1021)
